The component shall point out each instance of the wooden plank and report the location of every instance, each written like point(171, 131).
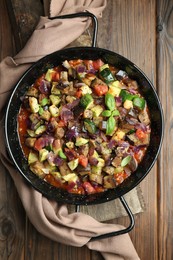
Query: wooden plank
point(128, 28)
point(165, 87)
point(24, 16)
point(12, 215)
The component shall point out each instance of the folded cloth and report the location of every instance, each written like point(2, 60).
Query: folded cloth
point(48, 217)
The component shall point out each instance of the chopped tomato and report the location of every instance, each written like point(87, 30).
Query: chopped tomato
point(88, 188)
point(39, 144)
point(38, 81)
point(141, 134)
point(97, 64)
point(78, 93)
point(55, 76)
point(89, 64)
point(76, 190)
point(100, 90)
point(61, 123)
point(120, 177)
point(139, 155)
point(83, 160)
point(75, 62)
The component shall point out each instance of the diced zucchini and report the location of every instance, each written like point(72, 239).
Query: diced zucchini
point(54, 110)
point(118, 169)
point(43, 154)
point(61, 154)
point(46, 115)
point(87, 113)
point(98, 120)
point(96, 178)
point(31, 133)
point(54, 89)
point(90, 126)
point(71, 177)
point(115, 91)
point(96, 170)
point(41, 129)
point(32, 158)
point(48, 75)
point(81, 141)
point(66, 64)
point(70, 145)
point(97, 110)
point(86, 101)
point(33, 103)
point(106, 74)
point(64, 75)
point(119, 135)
point(105, 149)
point(128, 104)
point(101, 162)
point(55, 100)
point(73, 164)
point(85, 90)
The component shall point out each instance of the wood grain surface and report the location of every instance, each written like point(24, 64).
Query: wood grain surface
point(143, 32)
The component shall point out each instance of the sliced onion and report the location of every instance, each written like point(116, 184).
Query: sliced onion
point(44, 87)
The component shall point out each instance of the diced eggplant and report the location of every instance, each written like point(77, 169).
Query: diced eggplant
point(59, 132)
point(116, 161)
point(40, 130)
point(96, 178)
point(109, 170)
point(32, 92)
point(109, 182)
point(30, 141)
point(133, 164)
point(144, 117)
point(37, 168)
point(64, 169)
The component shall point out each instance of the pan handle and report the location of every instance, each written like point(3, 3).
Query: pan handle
point(122, 231)
point(82, 14)
point(119, 232)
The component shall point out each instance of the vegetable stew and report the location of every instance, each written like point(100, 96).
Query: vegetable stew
point(84, 126)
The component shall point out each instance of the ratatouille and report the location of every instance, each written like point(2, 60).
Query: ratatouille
point(84, 126)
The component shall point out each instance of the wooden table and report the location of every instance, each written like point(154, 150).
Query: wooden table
point(143, 32)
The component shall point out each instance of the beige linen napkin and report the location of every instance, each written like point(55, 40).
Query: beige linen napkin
point(49, 218)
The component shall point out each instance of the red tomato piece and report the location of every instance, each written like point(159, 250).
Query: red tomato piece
point(100, 90)
point(88, 187)
point(55, 76)
point(78, 93)
point(97, 64)
point(39, 144)
point(140, 134)
point(83, 160)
